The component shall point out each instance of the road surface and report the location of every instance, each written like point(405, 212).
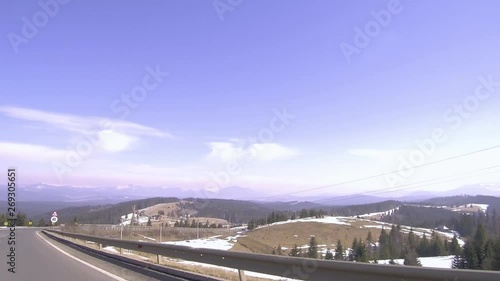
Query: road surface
point(36, 259)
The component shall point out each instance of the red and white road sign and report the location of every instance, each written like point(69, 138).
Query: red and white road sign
point(54, 214)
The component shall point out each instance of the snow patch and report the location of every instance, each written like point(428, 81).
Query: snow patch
point(435, 262)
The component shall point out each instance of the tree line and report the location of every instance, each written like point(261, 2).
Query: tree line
point(274, 217)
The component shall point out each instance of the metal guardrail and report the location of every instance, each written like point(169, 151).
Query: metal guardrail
point(294, 267)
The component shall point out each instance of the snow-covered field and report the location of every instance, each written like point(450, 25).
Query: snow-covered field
point(208, 243)
point(326, 219)
point(436, 262)
point(127, 219)
point(482, 207)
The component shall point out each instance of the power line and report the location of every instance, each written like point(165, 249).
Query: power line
point(409, 186)
point(384, 174)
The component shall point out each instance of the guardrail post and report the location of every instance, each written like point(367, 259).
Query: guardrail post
point(242, 275)
point(158, 259)
point(100, 246)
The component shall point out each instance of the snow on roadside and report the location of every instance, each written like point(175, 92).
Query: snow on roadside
point(111, 249)
point(248, 273)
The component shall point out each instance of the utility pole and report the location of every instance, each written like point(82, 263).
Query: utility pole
point(133, 215)
point(197, 230)
point(161, 229)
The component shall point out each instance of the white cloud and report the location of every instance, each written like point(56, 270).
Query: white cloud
point(28, 152)
point(114, 135)
point(237, 151)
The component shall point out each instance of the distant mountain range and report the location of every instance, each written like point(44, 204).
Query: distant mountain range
point(109, 195)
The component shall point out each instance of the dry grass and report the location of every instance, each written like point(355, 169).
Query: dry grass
point(168, 233)
point(263, 240)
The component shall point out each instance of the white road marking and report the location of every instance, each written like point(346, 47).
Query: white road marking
point(118, 278)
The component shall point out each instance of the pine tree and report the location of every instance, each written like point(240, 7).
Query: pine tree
point(470, 256)
point(295, 252)
point(423, 247)
point(279, 251)
point(384, 251)
point(455, 248)
point(369, 238)
point(339, 251)
point(411, 258)
point(459, 262)
point(436, 246)
point(352, 252)
point(361, 253)
point(495, 263)
point(479, 244)
point(313, 248)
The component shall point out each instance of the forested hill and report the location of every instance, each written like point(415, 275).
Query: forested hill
point(492, 201)
point(355, 210)
point(104, 214)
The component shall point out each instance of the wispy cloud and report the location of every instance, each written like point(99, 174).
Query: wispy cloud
point(28, 152)
point(114, 135)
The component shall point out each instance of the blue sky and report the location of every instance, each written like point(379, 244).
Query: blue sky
point(212, 115)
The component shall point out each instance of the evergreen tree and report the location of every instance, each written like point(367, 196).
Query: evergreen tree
point(459, 262)
point(495, 262)
point(339, 251)
point(149, 222)
point(313, 248)
point(412, 240)
point(436, 245)
point(455, 248)
point(423, 248)
point(411, 258)
point(470, 257)
point(352, 251)
point(295, 252)
point(384, 241)
point(279, 251)
point(369, 238)
point(360, 252)
point(479, 244)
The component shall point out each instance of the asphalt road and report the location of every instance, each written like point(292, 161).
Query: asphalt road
point(35, 259)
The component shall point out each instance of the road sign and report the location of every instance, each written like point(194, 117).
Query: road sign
point(30, 223)
point(54, 214)
point(5, 223)
point(53, 219)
